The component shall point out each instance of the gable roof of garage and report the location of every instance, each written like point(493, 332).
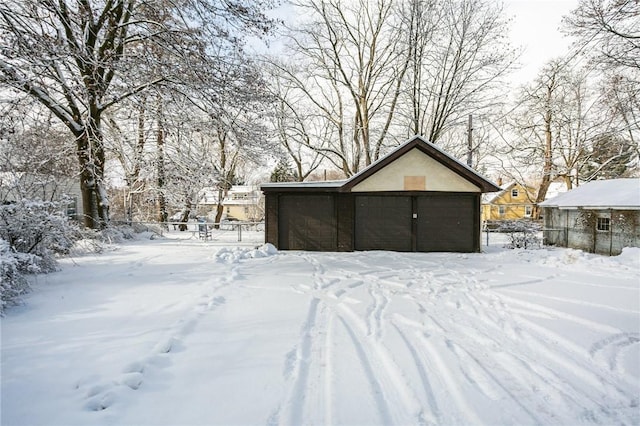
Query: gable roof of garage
point(414, 143)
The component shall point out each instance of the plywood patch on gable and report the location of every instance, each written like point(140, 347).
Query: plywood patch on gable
point(415, 183)
point(415, 164)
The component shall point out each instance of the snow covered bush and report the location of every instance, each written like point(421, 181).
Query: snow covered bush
point(12, 283)
point(37, 228)
point(521, 233)
point(115, 234)
point(99, 241)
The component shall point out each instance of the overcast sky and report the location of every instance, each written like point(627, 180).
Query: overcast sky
point(535, 27)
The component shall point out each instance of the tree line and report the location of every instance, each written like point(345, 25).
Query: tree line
point(167, 98)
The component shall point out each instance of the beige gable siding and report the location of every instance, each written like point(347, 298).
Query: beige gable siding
point(410, 169)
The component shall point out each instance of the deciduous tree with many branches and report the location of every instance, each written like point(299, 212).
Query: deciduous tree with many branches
point(80, 58)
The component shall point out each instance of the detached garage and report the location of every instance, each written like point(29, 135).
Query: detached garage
point(417, 198)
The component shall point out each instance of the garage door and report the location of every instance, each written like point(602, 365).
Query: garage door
point(445, 223)
point(307, 222)
point(383, 223)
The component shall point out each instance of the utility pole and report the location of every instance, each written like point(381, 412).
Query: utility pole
point(470, 141)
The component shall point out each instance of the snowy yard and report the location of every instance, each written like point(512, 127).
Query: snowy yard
point(177, 331)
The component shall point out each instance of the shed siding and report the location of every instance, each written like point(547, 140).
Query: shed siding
point(415, 164)
point(577, 228)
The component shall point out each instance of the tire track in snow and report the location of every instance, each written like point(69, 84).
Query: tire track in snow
point(301, 366)
point(395, 399)
point(552, 383)
point(422, 348)
point(509, 377)
point(376, 388)
point(464, 406)
point(534, 342)
point(570, 301)
point(615, 345)
point(375, 312)
point(537, 376)
point(328, 372)
point(498, 375)
point(384, 376)
point(304, 363)
point(434, 415)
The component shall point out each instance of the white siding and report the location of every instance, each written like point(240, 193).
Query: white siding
point(413, 164)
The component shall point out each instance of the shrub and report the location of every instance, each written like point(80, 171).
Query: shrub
point(13, 284)
point(522, 233)
point(38, 228)
point(32, 234)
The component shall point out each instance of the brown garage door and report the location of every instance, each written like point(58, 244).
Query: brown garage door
point(383, 223)
point(445, 223)
point(307, 222)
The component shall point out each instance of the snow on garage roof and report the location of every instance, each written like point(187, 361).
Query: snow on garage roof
point(622, 194)
point(416, 142)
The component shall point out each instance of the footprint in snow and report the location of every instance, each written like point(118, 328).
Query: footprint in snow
point(100, 402)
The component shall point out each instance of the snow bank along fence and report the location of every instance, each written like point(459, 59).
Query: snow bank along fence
point(202, 230)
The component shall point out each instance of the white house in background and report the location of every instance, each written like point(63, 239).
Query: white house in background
point(242, 203)
point(19, 186)
point(600, 216)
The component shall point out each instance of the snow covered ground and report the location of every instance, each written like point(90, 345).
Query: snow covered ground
point(177, 331)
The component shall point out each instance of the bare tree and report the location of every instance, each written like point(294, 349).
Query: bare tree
point(28, 168)
point(621, 97)
point(295, 125)
point(459, 53)
point(609, 30)
point(536, 127)
point(368, 74)
point(75, 59)
point(608, 33)
point(354, 62)
point(563, 130)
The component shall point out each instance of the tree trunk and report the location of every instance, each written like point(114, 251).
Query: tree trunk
point(219, 212)
point(223, 190)
point(547, 168)
point(185, 216)
point(91, 156)
point(162, 202)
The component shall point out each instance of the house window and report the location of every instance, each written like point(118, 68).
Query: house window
point(603, 224)
point(514, 193)
point(501, 210)
point(72, 209)
point(528, 210)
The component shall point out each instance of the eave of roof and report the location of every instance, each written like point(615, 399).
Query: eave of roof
point(587, 207)
point(416, 142)
point(319, 186)
point(434, 152)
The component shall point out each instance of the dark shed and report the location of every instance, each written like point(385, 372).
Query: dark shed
point(417, 198)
